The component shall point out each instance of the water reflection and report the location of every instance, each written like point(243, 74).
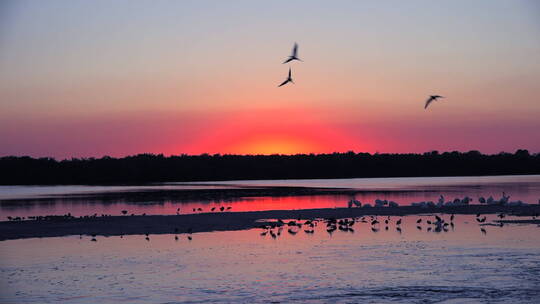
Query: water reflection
point(402, 190)
point(243, 266)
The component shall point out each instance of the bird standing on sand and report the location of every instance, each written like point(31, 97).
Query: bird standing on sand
point(431, 99)
point(294, 54)
point(289, 79)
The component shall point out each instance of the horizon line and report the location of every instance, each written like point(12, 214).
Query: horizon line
point(206, 154)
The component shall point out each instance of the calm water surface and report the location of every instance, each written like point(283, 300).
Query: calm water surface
point(463, 265)
point(52, 199)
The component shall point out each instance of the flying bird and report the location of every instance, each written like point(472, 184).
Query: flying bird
point(294, 54)
point(431, 99)
point(289, 79)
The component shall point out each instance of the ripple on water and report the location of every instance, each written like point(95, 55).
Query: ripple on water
point(415, 267)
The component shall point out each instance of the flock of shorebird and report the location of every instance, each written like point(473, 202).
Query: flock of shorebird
point(294, 56)
point(503, 201)
point(213, 209)
point(274, 229)
point(435, 224)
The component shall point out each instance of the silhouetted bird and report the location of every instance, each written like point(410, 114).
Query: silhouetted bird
point(213, 208)
point(176, 237)
point(481, 220)
point(294, 54)
point(189, 238)
point(398, 222)
point(289, 79)
point(431, 99)
point(222, 208)
point(419, 221)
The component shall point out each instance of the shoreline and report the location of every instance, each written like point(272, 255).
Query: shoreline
point(226, 221)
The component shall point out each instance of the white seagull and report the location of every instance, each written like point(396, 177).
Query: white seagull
point(289, 79)
point(431, 99)
point(294, 54)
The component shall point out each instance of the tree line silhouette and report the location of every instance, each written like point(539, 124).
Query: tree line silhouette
point(145, 168)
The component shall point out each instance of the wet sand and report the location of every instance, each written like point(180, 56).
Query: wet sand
point(218, 221)
point(531, 221)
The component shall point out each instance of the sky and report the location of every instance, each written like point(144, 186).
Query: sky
point(94, 78)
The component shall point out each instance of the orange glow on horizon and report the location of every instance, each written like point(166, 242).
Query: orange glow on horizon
point(282, 131)
point(274, 145)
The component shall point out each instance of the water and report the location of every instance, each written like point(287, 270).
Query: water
point(87, 200)
point(462, 265)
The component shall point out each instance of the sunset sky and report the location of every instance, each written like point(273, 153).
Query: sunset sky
point(94, 78)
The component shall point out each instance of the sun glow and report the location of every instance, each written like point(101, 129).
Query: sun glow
point(278, 131)
point(274, 145)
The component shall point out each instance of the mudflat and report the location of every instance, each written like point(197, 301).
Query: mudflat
point(206, 222)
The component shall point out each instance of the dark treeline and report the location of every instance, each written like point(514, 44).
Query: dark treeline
point(145, 168)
